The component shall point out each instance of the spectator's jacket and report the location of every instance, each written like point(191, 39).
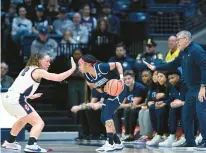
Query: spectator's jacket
point(19, 25)
point(90, 23)
point(182, 89)
point(193, 62)
point(80, 33)
point(49, 46)
point(127, 62)
point(61, 25)
point(170, 57)
point(8, 19)
point(152, 58)
point(6, 82)
point(44, 22)
point(170, 94)
point(139, 90)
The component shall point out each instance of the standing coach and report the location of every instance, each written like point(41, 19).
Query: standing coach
point(193, 62)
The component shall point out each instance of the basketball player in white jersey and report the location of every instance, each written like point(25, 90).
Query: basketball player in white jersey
point(23, 88)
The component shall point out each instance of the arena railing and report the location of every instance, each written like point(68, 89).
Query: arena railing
point(168, 19)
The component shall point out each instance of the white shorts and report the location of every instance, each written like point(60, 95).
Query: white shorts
point(16, 106)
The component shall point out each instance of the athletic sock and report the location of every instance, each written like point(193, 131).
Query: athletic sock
point(116, 139)
point(11, 138)
point(32, 140)
point(110, 138)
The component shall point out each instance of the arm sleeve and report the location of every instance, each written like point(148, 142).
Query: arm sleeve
point(104, 67)
point(199, 56)
point(172, 95)
point(96, 94)
point(14, 25)
point(137, 92)
point(171, 65)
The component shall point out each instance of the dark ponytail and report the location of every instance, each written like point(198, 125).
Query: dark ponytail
point(90, 59)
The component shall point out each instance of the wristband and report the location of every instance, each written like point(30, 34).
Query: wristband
point(121, 76)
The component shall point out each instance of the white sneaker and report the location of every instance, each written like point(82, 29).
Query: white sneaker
point(168, 142)
point(124, 137)
point(155, 141)
point(106, 147)
point(198, 140)
point(181, 141)
point(148, 142)
point(13, 146)
point(118, 146)
point(34, 148)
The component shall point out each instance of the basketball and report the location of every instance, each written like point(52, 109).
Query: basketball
point(114, 87)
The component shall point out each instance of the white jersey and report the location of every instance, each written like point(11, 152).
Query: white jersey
point(25, 84)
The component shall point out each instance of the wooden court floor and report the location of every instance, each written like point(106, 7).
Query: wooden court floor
point(73, 147)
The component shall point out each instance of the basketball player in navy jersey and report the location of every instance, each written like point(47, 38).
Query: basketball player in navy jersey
point(23, 88)
point(97, 75)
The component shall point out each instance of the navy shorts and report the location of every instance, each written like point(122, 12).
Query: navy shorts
point(112, 104)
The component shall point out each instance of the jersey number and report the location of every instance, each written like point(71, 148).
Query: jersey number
point(24, 71)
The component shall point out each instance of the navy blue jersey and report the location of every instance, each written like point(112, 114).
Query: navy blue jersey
point(89, 24)
point(103, 75)
point(139, 90)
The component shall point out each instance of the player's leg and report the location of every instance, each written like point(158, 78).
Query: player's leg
point(37, 125)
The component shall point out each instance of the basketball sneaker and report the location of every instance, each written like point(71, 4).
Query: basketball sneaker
point(124, 137)
point(168, 142)
point(13, 146)
point(106, 147)
point(198, 140)
point(34, 148)
point(155, 141)
point(118, 146)
point(201, 147)
point(181, 141)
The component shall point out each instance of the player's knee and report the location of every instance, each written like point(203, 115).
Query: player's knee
point(41, 123)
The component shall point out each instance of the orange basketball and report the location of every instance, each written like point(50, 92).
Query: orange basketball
point(114, 87)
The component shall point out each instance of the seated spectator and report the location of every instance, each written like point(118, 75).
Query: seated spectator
point(122, 57)
point(6, 81)
point(114, 22)
point(92, 127)
point(175, 108)
point(144, 116)
point(44, 44)
point(41, 20)
point(52, 9)
point(135, 96)
point(150, 55)
point(147, 78)
point(103, 41)
point(97, 6)
point(80, 32)
point(62, 23)
point(173, 49)
point(30, 8)
point(162, 99)
point(21, 26)
point(87, 20)
point(66, 46)
point(8, 25)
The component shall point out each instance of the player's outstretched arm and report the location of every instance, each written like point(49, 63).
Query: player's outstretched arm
point(57, 77)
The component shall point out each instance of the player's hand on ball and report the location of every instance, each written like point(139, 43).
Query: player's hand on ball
point(73, 63)
point(75, 109)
